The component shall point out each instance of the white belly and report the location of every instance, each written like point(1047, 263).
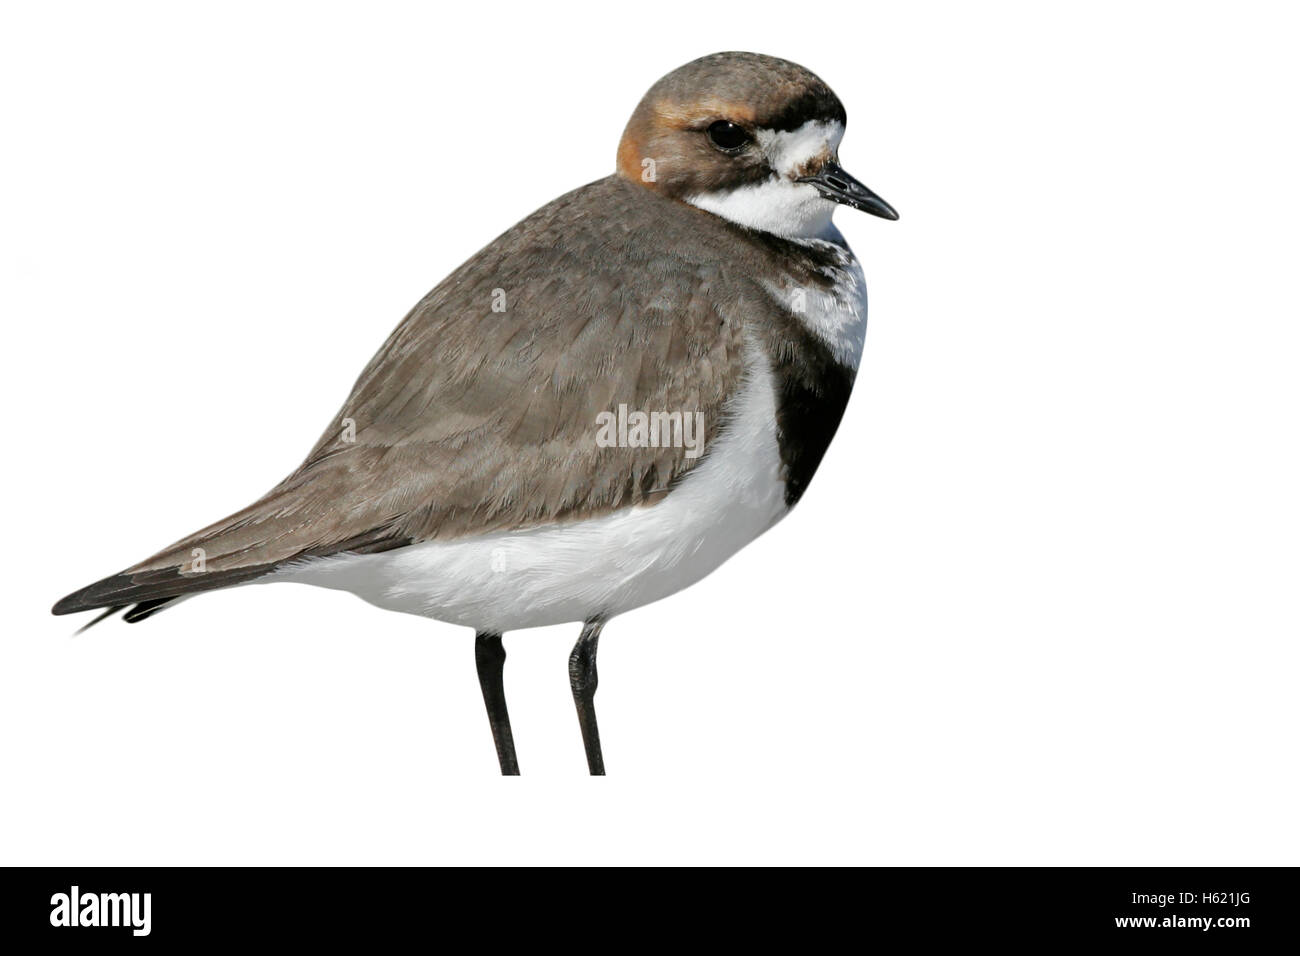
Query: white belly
point(602, 566)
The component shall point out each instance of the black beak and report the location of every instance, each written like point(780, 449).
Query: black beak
point(837, 185)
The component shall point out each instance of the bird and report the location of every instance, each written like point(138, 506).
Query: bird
point(597, 409)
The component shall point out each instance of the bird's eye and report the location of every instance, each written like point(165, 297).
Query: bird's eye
point(728, 137)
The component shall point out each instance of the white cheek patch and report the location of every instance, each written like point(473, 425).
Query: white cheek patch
point(787, 151)
point(779, 205)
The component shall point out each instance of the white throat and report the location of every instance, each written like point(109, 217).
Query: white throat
point(780, 205)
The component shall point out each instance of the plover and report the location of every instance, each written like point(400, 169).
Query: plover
point(597, 409)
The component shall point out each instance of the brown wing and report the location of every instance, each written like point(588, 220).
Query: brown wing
point(471, 419)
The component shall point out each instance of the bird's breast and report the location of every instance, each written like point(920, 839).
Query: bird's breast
point(813, 342)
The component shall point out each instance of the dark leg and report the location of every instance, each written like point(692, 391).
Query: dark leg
point(582, 678)
point(490, 656)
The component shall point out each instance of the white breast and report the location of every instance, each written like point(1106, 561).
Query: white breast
point(606, 565)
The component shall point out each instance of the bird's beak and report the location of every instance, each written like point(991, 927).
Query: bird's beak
point(838, 186)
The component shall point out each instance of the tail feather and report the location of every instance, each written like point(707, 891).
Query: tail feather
point(107, 614)
point(241, 548)
point(147, 609)
point(153, 587)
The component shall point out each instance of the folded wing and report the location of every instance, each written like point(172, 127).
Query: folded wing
point(480, 412)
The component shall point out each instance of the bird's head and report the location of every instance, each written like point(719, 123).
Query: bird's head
point(751, 138)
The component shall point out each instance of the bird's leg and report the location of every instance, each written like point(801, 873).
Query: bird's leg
point(582, 678)
point(490, 656)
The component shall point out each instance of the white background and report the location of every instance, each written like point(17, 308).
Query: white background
point(1039, 606)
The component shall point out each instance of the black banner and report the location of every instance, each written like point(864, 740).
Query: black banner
point(1222, 908)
